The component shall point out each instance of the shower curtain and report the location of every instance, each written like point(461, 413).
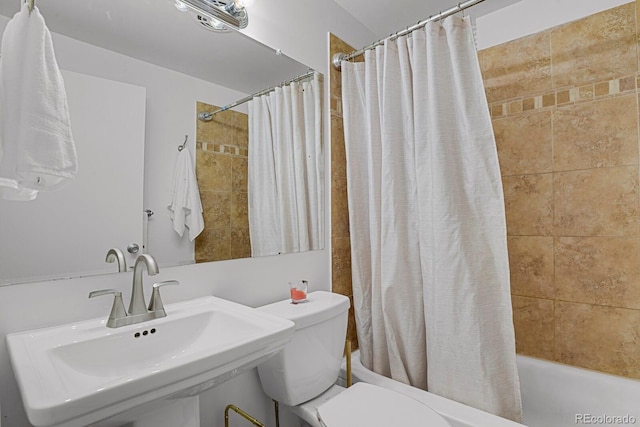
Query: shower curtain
point(428, 233)
point(285, 170)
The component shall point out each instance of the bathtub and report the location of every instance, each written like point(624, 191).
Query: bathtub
point(553, 395)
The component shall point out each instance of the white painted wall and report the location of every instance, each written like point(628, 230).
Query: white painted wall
point(300, 28)
point(532, 16)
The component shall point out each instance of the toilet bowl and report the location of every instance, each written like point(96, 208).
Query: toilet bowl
point(303, 374)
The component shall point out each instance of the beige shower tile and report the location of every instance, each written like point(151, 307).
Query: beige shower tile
point(533, 323)
point(497, 110)
point(531, 265)
point(240, 174)
point(339, 207)
point(518, 68)
point(598, 270)
point(515, 107)
point(528, 104)
point(337, 45)
point(216, 208)
point(213, 171)
point(524, 143)
point(240, 242)
point(241, 138)
point(213, 245)
point(599, 46)
point(602, 89)
point(338, 154)
point(352, 334)
point(341, 266)
point(213, 131)
point(563, 97)
point(597, 202)
point(596, 134)
point(239, 210)
point(602, 338)
point(628, 84)
point(586, 92)
point(528, 203)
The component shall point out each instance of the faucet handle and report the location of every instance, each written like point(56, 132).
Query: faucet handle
point(117, 310)
point(155, 305)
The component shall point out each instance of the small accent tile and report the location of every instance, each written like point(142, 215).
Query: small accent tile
point(586, 92)
point(515, 107)
point(538, 101)
point(528, 104)
point(602, 89)
point(497, 110)
point(563, 97)
point(574, 94)
point(627, 84)
point(549, 99)
point(614, 86)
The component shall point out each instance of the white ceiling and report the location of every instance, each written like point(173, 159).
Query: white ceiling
point(156, 32)
point(389, 16)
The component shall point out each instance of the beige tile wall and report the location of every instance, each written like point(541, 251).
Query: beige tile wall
point(340, 238)
point(564, 104)
point(221, 170)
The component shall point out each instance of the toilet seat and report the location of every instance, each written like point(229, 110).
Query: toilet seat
point(368, 405)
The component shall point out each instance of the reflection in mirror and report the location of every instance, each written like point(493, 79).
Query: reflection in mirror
point(260, 175)
point(174, 61)
point(221, 168)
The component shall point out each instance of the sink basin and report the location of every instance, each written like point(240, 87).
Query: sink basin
point(80, 373)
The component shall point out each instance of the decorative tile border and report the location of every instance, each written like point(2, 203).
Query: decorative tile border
point(566, 96)
point(231, 150)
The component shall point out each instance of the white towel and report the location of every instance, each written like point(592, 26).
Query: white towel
point(36, 146)
point(185, 206)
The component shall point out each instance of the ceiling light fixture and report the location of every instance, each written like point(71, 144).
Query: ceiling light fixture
point(232, 14)
point(181, 6)
point(211, 24)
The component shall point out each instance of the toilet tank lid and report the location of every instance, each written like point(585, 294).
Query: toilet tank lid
point(320, 306)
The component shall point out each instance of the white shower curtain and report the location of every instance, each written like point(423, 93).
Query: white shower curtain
point(428, 233)
point(285, 170)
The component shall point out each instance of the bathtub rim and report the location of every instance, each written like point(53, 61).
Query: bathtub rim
point(455, 412)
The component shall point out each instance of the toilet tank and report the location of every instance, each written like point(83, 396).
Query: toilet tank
point(310, 363)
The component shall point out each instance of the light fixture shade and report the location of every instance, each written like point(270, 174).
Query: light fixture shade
point(227, 13)
point(181, 6)
point(244, 3)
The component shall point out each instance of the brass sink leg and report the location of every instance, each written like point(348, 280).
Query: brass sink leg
point(242, 414)
point(277, 411)
point(248, 417)
point(348, 357)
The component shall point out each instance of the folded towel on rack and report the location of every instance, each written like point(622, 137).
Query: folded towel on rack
point(37, 151)
point(185, 206)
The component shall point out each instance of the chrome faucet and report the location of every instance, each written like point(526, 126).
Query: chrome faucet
point(114, 255)
point(138, 311)
point(137, 304)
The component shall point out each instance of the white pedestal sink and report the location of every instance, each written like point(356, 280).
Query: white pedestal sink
point(81, 373)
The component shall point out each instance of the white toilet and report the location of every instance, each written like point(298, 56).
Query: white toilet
point(303, 374)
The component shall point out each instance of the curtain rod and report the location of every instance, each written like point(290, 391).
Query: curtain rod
point(339, 57)
point(207, 116)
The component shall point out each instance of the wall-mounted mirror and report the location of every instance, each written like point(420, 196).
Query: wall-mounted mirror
point(167, 62)
point(260, 174)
